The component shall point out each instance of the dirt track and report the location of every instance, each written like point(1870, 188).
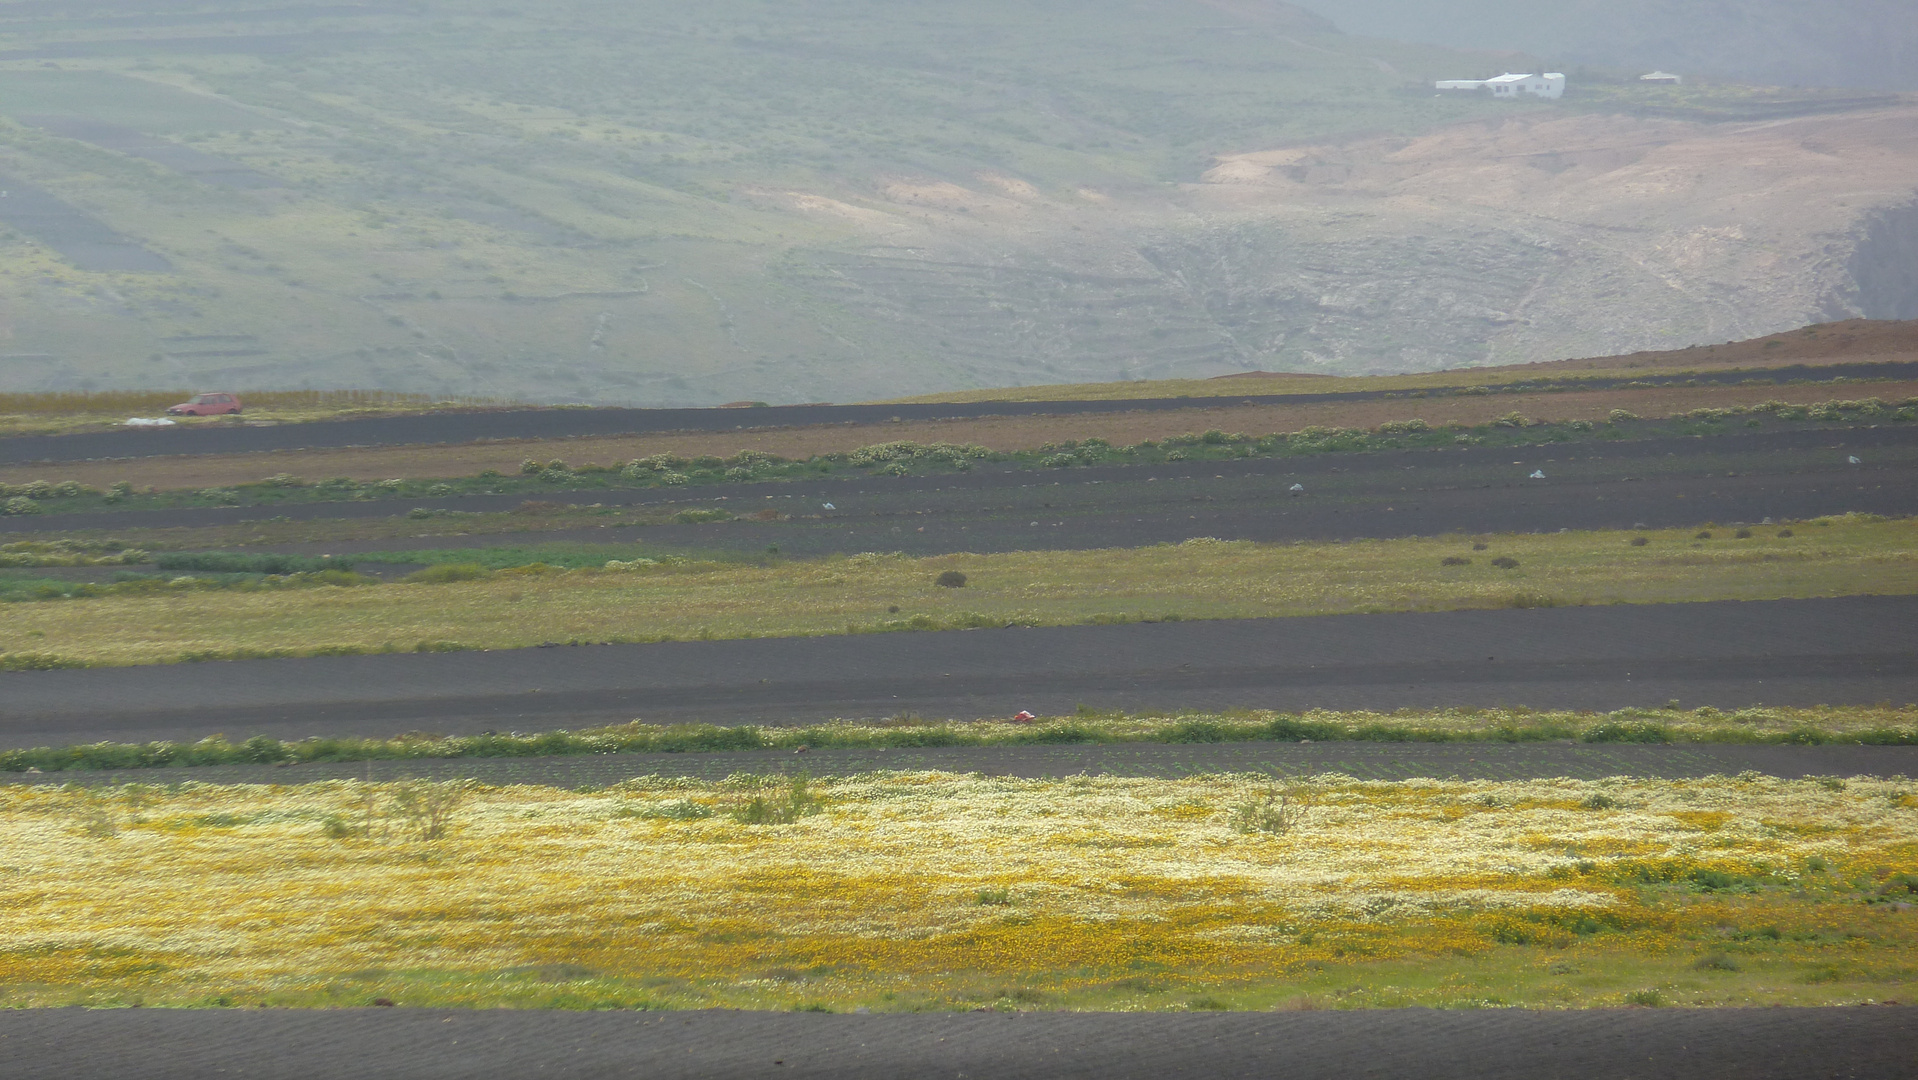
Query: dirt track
point(1858, 1043)
point(1856, 650)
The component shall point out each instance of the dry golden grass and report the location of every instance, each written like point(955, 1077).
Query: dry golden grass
point(998, 433)
point(1200, 579)
point(934, 890)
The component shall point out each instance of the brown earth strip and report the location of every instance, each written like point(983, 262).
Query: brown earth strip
point(1851, 342)
point(998, 433)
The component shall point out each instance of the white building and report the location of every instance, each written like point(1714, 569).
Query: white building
point(1661, 77)
point(1551, 84)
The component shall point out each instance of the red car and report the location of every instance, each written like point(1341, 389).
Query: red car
point(206, 405)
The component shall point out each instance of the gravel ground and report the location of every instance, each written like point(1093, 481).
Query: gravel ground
point(1857, 1043)
point(1656, 483)
point(1850, 650)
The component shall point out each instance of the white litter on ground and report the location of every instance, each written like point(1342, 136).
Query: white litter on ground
point(161, 421)
point(1538, 474)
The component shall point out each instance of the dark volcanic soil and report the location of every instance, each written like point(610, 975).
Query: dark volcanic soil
point(1858, 1043)
point(1854, 650)
point(1655, 483)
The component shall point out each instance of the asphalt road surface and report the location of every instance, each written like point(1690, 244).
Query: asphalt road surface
point(1654, 483)
point(472, 425)
point(1852, 650)
point(1855, 1043)
point(1166, 761)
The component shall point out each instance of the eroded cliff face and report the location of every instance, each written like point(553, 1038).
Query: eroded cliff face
point(1884, 265)
point(1534, 238)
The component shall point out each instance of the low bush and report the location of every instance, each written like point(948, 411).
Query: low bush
point(702, 516)
point(1275, 812)
point(950, 579)
point(445, 573)
point(796, 802)
point(234, 562)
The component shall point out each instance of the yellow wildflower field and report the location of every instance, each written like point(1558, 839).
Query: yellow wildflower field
point(935, 890)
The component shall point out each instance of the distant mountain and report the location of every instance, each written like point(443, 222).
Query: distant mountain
point(665, 203)
point(1849, 43)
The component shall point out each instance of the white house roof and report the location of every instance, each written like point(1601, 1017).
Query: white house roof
point(1509, 77)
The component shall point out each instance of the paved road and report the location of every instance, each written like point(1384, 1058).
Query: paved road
point(1857, 1043)
point(1659, 483)
point(1169, 761)
point(458, 427)
point(1729, 654)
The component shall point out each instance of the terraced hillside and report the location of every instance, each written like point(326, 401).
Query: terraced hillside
point(648, 203)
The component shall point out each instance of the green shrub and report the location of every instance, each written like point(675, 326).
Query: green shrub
point(445, 573)
point(796, 802)
point(1276, 812)
point(1706, 879)
point(950, 579)
point(1505, 562)
point(701, 516)
point(1899, 885)
point(234, 562)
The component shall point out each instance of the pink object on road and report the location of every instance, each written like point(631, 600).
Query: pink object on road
point(1023, 717)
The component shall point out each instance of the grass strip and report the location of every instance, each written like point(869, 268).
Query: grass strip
point(454, 608)
point(1856, 725)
